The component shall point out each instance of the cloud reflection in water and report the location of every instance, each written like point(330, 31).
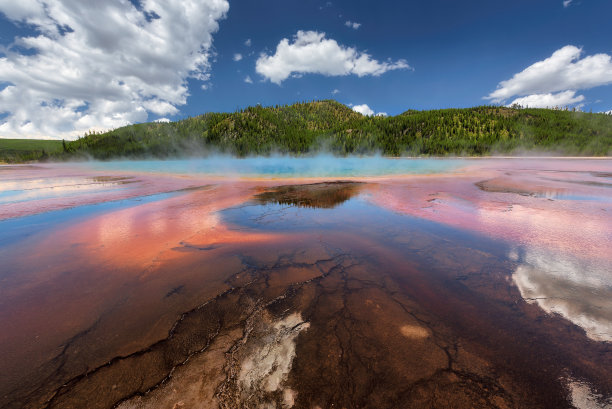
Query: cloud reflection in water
point(579, 290)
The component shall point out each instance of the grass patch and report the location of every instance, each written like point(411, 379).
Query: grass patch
point(24, 150)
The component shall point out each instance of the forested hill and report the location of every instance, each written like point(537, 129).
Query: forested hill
point(311, 127)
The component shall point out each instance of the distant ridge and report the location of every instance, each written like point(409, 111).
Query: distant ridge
point(311, 127)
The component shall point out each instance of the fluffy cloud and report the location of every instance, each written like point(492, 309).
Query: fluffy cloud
point(564, 71)
point(247, 42)
point(566, 3)
point(352, 24)
point(237, 57)
point(559, 99)
point(311, 52)
point(364, 109)
point(100, 65)
point(248, 79)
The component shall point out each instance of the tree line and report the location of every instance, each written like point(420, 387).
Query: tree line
point(310, 127)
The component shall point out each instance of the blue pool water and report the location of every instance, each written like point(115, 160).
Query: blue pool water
point(320, 166)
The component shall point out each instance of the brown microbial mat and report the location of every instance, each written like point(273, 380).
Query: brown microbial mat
point(324, 194)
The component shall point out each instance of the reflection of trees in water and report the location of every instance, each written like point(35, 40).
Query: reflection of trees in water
point(317, 195)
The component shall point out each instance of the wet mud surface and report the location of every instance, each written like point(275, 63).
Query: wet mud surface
point(324, 195)
point(315, 296)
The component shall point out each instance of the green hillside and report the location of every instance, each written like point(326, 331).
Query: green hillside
point(305, 128)
point(23, 150)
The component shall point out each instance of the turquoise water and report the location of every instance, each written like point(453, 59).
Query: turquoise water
point(320, 166)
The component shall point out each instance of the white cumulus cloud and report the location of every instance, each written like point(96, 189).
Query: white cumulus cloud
point(566, 3)
point(248, 79)
point(352, 24)
point(237, 57)
point(364, 109)
point(560, 99)
point(561, 73)
point(100, 65)
point(311, 52)
point(247, 42)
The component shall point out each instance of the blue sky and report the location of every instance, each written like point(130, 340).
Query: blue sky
point(72, 65)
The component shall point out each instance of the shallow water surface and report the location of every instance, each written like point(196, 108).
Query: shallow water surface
point(481, 283)
point(286, 167)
